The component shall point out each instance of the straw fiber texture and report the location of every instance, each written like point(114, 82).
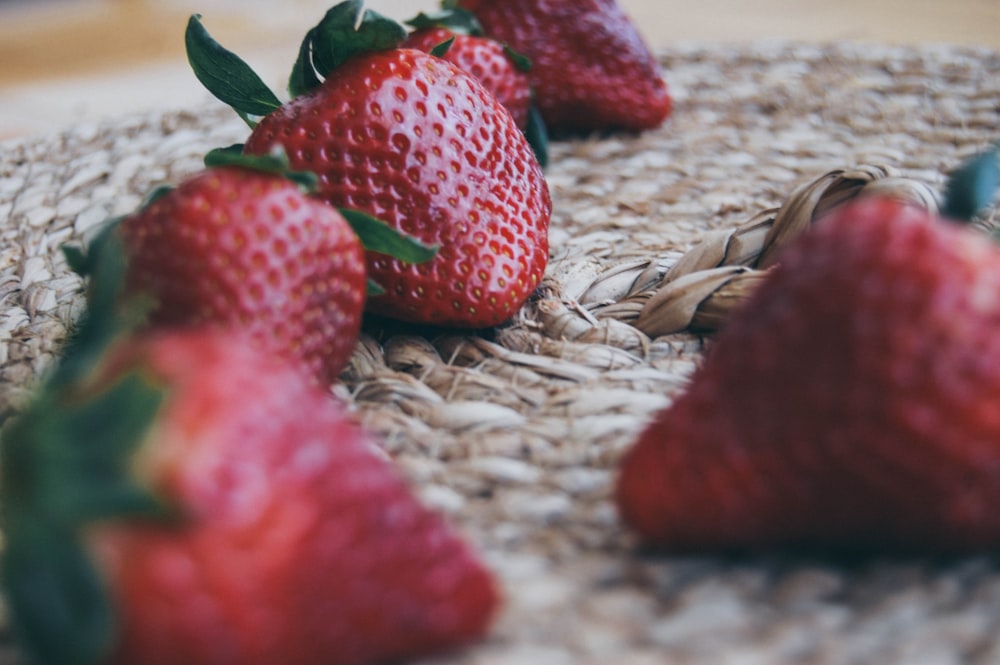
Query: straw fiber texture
point(515, 432)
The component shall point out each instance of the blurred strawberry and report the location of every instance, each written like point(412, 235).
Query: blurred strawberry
point(188, 499)
point(590, 68)
point(234, 246)
point(850, 403)
point(456, 37)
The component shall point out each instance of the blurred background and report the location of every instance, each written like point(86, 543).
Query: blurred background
point(66, 61)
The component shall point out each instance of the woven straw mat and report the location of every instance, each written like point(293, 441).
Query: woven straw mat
point(515, 433)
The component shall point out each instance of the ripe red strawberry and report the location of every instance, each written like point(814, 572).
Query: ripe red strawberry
point(192, 500)
point(485, 59)
point(237, 247)
point(850, 403)
point(416, 142)
point(590, 68)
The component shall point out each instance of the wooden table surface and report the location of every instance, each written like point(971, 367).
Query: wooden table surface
point(65, 61)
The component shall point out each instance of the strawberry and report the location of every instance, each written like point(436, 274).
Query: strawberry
point(590, 68)
point(412, 140)
point(234, 246)
point(503, 73)
point(849, 403)
point(184, 498)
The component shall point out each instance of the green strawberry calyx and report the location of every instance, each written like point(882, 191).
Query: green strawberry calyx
point(373, 234)
point(457, 20)
point(442, 49)
point(521, 62)
point(346, 30)
point(537, 135)
point(463, 22)
point(226, 75)
point(64, 466)
point(972, 186)
point(276, 162)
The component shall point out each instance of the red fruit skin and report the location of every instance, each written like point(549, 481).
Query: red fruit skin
point(486, 60)
point(415, 141)
point(295, 541)
point(849, 404)
point(591, 69)
point(232, 247)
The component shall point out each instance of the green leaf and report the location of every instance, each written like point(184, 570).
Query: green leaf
point(459, 21)
point(64, 463)
point(376, 32)
point(89, 453)
point(377, 236)
point(156, 194)
point(522, 63)
point(441, 49)
point(111, 423)
point(346, 30)
point(374, 288)
point(222, 156)
point(62, 468)
point(972, 186)
point(304, 77)
point(58, 607)
point(537, 135)
point(334, 36)
point(226, 75)
point(106, 317)
point(76, 258)
point(275, 162)
point(82, 260)
point(67, 463)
